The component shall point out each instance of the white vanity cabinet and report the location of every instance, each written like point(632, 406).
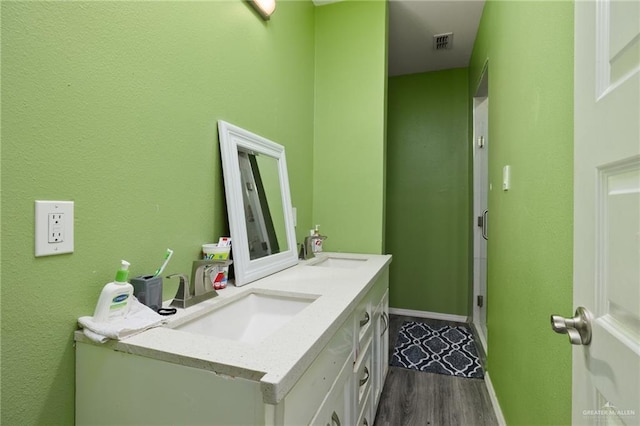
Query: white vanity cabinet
point(336, 408)
point(381, 346)
point(325, 387)
point(372, 359)
point(353, 397)
point(148, 380)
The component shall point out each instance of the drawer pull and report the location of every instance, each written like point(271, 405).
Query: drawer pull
point(335, 419)
point(366, 319)
point(385, 318)
point(365, 379)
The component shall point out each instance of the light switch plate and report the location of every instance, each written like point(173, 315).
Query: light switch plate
point(53, 227)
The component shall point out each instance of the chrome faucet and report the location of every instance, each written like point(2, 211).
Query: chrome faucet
point(200, 288)
point(304, 252)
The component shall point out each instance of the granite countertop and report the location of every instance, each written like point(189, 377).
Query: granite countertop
point(281, 359)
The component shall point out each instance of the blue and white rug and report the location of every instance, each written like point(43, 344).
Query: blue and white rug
point(440, 349)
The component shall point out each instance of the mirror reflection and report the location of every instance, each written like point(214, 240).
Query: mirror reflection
point(264, 214)
point(258, 204)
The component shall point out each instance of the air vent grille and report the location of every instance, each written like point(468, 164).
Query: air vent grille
point(443, 41)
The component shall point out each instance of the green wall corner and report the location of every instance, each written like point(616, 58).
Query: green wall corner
point(427, 203)
point(529, 46)
point(349, 141)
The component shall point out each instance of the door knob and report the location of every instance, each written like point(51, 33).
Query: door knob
point(578, 328)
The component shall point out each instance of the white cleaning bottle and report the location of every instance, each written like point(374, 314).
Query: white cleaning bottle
point(115, 297)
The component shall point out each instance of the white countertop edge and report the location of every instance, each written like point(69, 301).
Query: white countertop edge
point(277, 371)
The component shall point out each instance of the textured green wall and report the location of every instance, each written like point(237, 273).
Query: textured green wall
point(428, 216)
point(114, 105)
point(349, 143)
point(529, 46)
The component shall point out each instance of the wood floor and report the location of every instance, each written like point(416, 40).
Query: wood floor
point(415, 398)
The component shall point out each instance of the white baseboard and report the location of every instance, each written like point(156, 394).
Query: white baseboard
point(494, 400)
point(425, 314)
point(483, 339)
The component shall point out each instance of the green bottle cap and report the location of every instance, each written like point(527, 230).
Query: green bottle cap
point(123, 273)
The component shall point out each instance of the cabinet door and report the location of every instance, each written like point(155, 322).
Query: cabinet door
point(384, 338)
point(337, 408)
point(366, 415)
point(380, 347)
point(364, 324)
point(312, 388)
point(363, 371)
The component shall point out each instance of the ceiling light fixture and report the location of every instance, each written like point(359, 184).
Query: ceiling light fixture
point(264, 7)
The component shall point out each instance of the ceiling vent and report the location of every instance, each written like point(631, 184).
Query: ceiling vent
point(443, 41)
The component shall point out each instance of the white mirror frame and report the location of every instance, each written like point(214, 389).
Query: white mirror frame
point(247, 270)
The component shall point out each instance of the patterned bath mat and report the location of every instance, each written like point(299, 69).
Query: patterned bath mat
point(438, 349)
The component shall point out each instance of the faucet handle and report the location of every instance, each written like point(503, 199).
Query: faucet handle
point(182, 295)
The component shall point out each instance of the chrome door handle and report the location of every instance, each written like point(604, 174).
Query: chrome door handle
point(365, 379)
point(386, 323)
point(578, 328)
point(484, 225)
point(366, 319)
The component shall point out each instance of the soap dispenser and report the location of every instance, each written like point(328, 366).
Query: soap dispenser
point(115, 297)
point(316, 240)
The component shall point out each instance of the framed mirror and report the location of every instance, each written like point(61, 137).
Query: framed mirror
point(256, 187)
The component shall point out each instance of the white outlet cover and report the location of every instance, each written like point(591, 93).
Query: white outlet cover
point(42, 210)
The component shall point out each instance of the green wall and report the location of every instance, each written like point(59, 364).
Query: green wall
point(349, 142)
point(529, 46)
point(428, 214)
point(114, 105)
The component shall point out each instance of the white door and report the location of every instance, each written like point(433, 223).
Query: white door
point(606, 373)
point(480, 205)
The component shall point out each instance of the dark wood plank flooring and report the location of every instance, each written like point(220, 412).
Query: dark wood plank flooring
point(415, 398)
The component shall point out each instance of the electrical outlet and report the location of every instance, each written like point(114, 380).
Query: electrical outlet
point(53, 227)
point(56, 227)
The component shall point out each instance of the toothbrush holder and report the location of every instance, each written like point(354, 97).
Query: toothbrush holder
point(148, 290)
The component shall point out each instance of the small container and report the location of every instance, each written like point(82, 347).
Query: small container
point(213, 252)
point(148, 290)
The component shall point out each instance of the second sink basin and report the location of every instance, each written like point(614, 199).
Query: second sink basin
point(249, 319)
point(339, 262)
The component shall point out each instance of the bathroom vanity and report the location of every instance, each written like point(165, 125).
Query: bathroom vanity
point(306, 345)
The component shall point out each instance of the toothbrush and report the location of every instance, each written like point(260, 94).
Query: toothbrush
point(167, 257)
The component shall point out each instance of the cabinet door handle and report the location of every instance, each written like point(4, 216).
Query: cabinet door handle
point(365, 422)
point(365, 379)
point(485, 233)
point(335, 419)
point(385, 318)
point(366, 319)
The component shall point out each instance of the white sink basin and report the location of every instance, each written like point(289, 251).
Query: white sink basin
point(249, 319)
point(339, 262)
